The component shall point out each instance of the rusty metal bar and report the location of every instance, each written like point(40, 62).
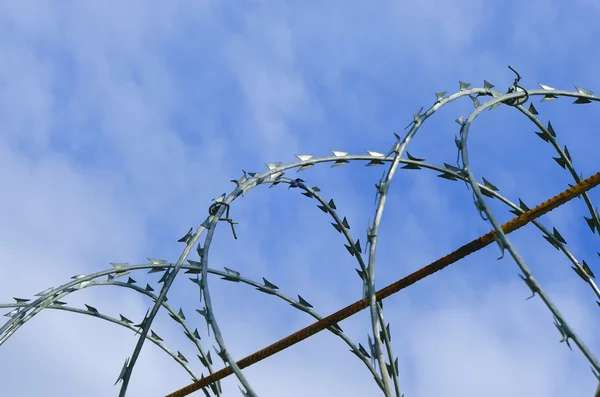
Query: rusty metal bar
point(420, 274)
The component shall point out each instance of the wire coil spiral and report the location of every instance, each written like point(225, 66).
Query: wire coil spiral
point(379, 359)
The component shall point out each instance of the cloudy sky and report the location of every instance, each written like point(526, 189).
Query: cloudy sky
point(120, 121)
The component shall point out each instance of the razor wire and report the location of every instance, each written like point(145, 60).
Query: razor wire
point(379, 359)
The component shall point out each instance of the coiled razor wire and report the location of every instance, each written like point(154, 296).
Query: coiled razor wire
point(379, 358)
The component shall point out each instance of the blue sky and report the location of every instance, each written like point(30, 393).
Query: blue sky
point(120, 121)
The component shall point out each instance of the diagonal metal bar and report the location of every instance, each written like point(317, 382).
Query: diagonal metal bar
point(407, 281)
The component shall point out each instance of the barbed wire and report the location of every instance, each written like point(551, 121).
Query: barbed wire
point(379, 358)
